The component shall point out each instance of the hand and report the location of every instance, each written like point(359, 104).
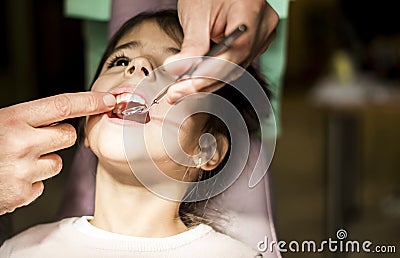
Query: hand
point(205, 20)
point(29, 134)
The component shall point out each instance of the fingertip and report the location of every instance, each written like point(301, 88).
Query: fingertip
point(180, 90)
point(109, 100)
point(170, 100)
point(173, 96)
point(37, 190)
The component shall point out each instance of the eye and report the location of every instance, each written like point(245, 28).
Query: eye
point(121, 62)
point(118, 61)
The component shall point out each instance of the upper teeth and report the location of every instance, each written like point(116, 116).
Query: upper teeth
point(129, 97)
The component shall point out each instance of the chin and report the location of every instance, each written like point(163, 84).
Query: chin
point(106, 139)
point(108, 150)
point(106, 142)
point(108, 145)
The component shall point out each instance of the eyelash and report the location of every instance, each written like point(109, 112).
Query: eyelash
point(116, 58)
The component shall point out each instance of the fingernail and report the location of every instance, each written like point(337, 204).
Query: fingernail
point(109, 100)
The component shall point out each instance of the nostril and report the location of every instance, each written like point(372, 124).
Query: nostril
point(132, 69)
point(145, 71)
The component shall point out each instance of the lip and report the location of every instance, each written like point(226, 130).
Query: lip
point(126, 89)
point(120, 122)
point(122, 89)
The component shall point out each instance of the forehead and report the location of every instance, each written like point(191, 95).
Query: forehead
point(148, 32)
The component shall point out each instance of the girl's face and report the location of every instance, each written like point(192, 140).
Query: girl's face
point(142, 49)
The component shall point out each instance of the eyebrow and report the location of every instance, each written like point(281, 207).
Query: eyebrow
point(130, 44)
point(137, 44)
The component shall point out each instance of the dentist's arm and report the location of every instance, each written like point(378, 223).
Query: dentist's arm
point(30, 133)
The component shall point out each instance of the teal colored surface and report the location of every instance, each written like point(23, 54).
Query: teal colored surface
point(95, 33)
point(98, 10)
point(281, 7)
point(273, 64)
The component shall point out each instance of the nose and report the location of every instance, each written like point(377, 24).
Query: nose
point(139, 66)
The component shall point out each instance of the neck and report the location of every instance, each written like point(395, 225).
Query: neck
point(127, 207)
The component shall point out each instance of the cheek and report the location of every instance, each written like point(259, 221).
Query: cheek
point(93, 126)
point(89, 123)
point(91, 132)
point(190, 133)
point(104, 140)
point(103, 83)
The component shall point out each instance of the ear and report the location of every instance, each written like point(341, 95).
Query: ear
point(220, 152)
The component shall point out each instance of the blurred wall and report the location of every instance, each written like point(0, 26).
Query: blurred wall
point(42, 55)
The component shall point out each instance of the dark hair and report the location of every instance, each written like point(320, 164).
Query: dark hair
point(168, 21)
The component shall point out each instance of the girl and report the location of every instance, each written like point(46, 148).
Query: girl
point(129, 220)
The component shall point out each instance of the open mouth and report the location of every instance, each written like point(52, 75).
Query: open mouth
point(125, 101)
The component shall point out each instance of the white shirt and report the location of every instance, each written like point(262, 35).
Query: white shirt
point(76, 237)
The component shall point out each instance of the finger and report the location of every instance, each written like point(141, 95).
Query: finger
point(261, 21)
point(190, 86)
point(196, 30)
point(238, 14)
point(34, 192)
point(53, 109)
point(47, 166)
point(184, 88)
point(207, 73)
point(53, 138)
point(22, 196)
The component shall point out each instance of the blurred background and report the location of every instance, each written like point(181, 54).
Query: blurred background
point(337, 159)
